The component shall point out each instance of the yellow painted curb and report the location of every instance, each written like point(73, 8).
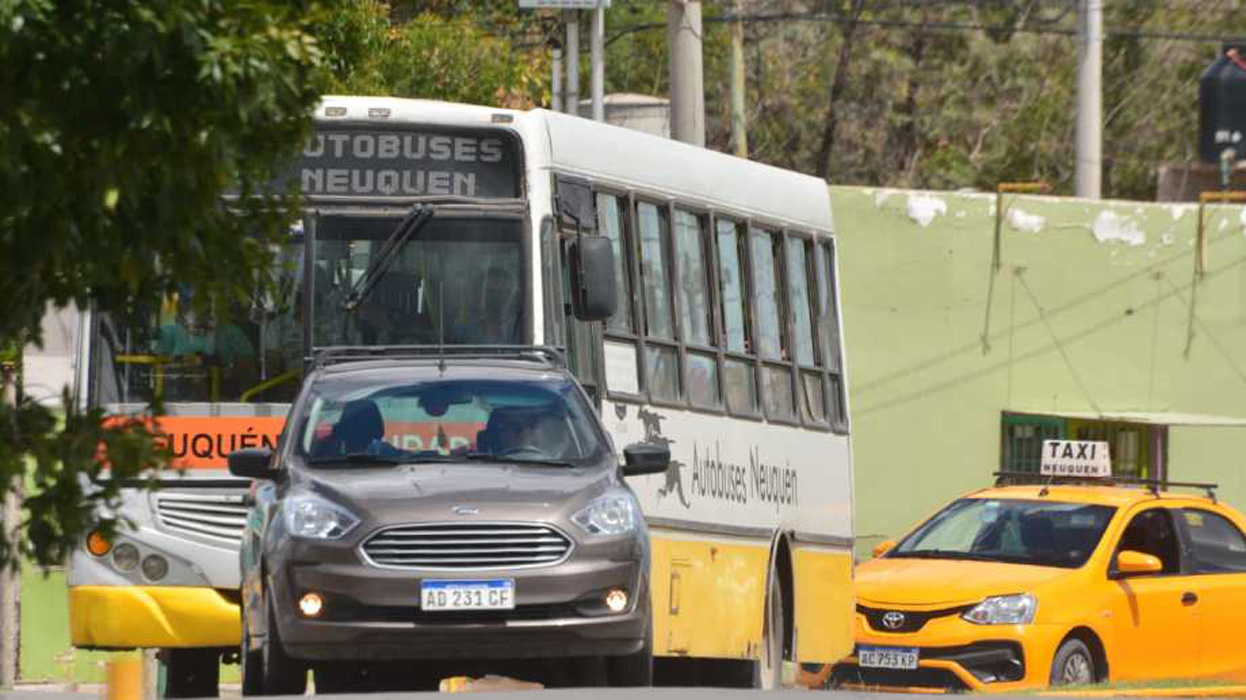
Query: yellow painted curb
point(1211, 691)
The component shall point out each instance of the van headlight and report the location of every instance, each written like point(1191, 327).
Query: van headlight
point(315, 518)
point(612, 514)
point(1004, 610)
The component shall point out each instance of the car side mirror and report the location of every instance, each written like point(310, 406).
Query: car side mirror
point(252, 463)
point(882, 548)
point(592, 278)
point(1131, 562)
point(645, 458)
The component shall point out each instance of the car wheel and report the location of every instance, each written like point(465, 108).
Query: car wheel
point(282, 675)
point(191, 673)
point(633, 670)
point(251, 662)
point(1073, 665)
point(768, 670)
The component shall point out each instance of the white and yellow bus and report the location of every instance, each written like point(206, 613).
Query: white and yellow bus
point(726, 346)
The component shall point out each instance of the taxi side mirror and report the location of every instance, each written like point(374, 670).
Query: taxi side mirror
point(1131, 562)
point(883, 547)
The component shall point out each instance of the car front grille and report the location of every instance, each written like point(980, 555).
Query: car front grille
point(462, 546)
point(217, 516)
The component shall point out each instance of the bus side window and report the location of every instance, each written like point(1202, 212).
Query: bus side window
point(772, 339)
point(661, 353)
point(696, 313)
point(830, 332)
point(739, 370)
point(810, 394)
point(620, 348)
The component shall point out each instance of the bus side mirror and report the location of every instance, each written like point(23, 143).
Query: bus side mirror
point(252, 463)
point(645, 458)
point(593, 296)
point(882, 548)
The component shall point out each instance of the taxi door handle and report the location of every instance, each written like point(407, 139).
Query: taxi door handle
point(1189, 598)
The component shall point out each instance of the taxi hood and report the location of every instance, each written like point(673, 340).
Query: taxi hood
point(920, 582)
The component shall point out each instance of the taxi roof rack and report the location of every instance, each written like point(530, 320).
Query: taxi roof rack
point(337, 354)
point(1016, 478)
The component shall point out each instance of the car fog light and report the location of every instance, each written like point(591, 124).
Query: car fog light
point(97, 544)
point(616, 600)
point(311, 604)
point(155, 567)
point(125, 557)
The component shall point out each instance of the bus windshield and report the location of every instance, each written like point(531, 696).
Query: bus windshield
point(1046, 533)
point(465, 271)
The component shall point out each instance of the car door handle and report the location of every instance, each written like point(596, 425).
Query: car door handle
point(1189, 598)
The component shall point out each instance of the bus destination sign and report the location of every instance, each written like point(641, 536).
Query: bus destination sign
point(368, 162)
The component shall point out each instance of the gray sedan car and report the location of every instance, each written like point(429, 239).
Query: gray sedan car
point(424, 518)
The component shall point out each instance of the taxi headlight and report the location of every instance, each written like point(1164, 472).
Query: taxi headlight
point(1004, 610)
point(316, 518)
point(612, 514)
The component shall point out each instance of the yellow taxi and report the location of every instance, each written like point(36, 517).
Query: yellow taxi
point(1025, 586)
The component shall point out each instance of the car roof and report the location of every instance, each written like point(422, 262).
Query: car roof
point(1108, 495)
point(424, 369)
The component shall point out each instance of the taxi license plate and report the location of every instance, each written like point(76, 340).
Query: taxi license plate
point(493, 594)
point(887, 657)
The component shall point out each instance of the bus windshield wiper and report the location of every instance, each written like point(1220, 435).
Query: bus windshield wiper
point(412, 223)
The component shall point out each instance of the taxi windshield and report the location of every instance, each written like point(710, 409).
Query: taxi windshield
point(1043, 533)
point(545, 422)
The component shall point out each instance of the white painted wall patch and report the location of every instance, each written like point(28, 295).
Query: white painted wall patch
point(1110, 226)
point(1027, 223)
point(923, 208)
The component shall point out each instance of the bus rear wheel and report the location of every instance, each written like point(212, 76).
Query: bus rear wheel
point(191, 673)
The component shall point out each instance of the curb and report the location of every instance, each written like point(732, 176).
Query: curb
point(1211, 691)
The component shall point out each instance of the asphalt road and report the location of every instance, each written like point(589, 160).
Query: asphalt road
point(561, 694)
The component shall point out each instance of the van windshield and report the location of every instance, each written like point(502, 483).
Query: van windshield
point(360, 423)
point(1045, 533)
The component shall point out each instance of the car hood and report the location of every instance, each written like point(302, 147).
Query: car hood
point(431, 492)
point(921, 582)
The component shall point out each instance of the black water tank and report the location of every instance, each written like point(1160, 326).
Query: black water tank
point(1222, 105)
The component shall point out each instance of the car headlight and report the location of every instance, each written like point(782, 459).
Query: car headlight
point(1004, 610)
point(316, 518)
point(612, 514)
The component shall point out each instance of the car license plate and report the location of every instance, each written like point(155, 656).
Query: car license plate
point(887, 657)
point(492, 594)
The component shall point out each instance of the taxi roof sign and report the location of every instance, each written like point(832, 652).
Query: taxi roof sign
point(1085, 458)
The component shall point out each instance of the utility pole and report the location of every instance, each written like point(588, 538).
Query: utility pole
point(572, 100)
point(739, 125)
point(1089, 170)
point(683, 34)
point(10, 521)
point(597, 50)
point(556, 80)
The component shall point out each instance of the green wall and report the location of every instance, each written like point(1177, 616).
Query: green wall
point(1089, 313)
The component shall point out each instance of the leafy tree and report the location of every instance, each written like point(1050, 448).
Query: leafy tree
point(122, 124)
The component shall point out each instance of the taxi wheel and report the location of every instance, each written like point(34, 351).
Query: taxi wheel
point(1073, 665)
point(282, 674)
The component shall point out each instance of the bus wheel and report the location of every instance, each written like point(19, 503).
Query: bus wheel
point(191, 673)
point(768, 671)
point(634, 670)
point(282, 675)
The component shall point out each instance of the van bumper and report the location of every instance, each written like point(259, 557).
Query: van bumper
point(128, 617)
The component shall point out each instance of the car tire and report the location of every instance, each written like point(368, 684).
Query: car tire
point(768, 669)
point(251, 663)
point(633, 670)
point(191, 673)
point(282, 674)
point(1073, 664)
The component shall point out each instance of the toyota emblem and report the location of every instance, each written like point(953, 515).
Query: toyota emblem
point(893, 620)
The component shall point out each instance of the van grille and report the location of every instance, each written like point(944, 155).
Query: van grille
point(467, 546)
point(218, 516)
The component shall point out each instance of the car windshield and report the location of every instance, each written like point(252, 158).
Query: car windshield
point(1045, 533)
point(351, 423)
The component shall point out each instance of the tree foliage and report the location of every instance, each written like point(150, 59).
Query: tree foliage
point(122, 124)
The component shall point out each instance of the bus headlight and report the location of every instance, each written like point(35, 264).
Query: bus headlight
point(316, 518)
point(1004, 610)
point(612, 514)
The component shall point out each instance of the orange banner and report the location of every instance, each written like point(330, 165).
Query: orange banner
point(205, 443)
